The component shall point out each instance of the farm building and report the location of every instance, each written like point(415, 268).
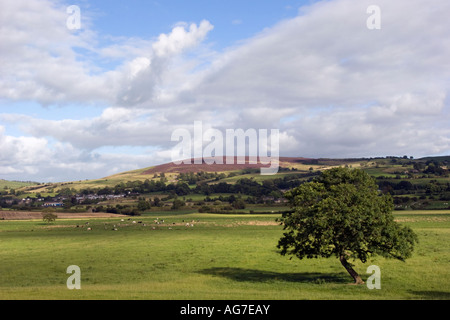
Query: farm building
point(52, 204)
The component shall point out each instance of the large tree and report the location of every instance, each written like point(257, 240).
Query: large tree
point(342, 213)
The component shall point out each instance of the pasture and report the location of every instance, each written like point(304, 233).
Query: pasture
point(193, 256)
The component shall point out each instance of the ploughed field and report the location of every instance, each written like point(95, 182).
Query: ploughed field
point(161, 256)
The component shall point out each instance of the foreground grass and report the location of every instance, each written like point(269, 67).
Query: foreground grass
point(220, 257)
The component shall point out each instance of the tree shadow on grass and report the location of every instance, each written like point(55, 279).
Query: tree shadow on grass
point(252, 275)
point(433, 295)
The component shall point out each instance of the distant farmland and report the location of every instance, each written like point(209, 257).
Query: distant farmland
point(5, 184)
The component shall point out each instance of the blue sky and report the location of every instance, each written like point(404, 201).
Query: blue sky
point(233, 20)
point(87, 103)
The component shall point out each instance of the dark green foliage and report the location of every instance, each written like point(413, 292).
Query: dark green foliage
point(49, 217)
point(143, 205)
point(177, 204)
point(342, 213)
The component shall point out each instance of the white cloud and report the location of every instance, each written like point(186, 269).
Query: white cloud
point(114, 127)
point(327, 56)
point(180, 39)
point(40, 58)
point(357, 91)
point(25, 150)
point(29, 158)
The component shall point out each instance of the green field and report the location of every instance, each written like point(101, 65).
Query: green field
point(5, 184)
point(220, 257)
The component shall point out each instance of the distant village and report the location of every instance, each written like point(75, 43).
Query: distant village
point(59, 201)
point(82, 199)
point(420, 184)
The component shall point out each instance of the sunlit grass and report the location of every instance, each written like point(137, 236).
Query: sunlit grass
point(220, 257)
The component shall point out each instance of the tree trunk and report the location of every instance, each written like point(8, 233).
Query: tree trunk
point(350, 270)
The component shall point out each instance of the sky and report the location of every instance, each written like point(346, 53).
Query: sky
point(84, 101)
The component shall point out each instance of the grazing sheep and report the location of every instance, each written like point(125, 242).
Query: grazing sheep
point(89, 229)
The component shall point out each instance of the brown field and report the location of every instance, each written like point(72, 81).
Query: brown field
point(171, 167)
point(30, 215)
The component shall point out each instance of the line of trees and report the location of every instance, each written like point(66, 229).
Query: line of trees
point(406, 187)
point(183, 188)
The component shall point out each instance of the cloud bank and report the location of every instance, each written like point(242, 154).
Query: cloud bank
point(333, 87)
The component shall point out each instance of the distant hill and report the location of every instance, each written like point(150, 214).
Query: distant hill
point(171, 171)
point(414, 184)
point(7, 184)
point(233, 165)
point(378, 166)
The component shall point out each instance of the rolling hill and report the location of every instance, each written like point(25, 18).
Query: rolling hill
point(413, 183)
point(171, 171)
point(387, 167)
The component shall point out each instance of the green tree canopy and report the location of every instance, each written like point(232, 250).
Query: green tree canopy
point(342, 213)
point(49, 217)
point(143, 205)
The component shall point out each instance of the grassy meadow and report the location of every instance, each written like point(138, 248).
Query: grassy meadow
point(5, 184)
point(218, 257)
